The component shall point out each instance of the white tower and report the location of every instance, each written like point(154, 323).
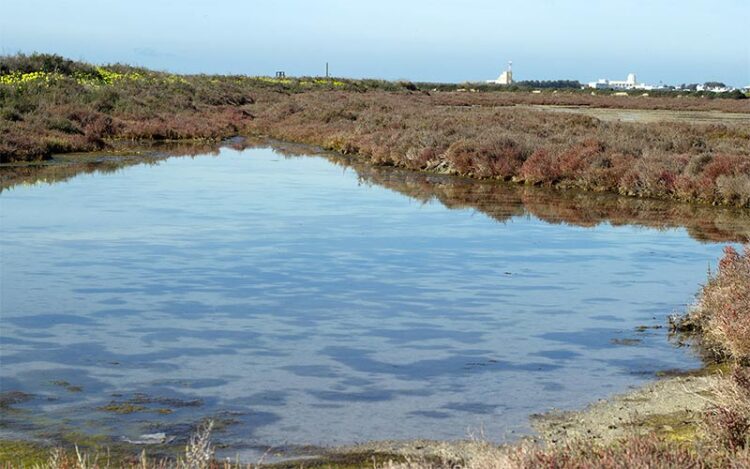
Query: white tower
point(505, 78)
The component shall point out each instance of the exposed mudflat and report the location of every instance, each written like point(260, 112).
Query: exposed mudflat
point(450, 450)
point(649, 116)
point(669, 406)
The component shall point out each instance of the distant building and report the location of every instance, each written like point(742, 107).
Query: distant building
point(629, 84)
point(505, 78)
point(714, 89)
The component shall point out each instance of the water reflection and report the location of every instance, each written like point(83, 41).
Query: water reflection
point(283, 294)
point(500, 201)
point(504, 201)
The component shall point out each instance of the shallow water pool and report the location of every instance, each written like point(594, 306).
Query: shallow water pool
point(296, 301)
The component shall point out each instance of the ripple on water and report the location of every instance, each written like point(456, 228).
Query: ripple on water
point(297, 303)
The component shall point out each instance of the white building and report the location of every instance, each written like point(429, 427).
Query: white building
point(505, 78)
point(714, 89)
point(629, 84)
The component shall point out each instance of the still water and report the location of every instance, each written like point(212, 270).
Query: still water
point(297, 301)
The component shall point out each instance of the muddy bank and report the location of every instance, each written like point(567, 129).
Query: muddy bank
point(670, 407)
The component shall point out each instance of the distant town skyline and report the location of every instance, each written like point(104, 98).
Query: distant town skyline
point(692, 41)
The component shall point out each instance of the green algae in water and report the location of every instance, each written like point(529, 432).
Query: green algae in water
point(123, 408)
point(17, 453)
point(11, 398)
point(680, 426)
point(67, 386)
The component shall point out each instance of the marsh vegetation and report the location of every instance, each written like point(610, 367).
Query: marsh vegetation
point(543, 173)
point(52, 105)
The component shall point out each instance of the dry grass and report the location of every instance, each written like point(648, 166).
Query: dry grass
point(726, 424)
point(631, 453)
point(636, 452)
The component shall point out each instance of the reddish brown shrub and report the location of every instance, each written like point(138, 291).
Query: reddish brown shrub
point(542, 167)
point(498, 158)
point(727, 427)
point(578, 159)
point(723, 312)
point(473, 134)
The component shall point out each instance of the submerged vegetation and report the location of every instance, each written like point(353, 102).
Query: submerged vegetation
point(52, 105)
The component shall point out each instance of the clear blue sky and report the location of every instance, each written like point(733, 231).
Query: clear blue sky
point(439, 40)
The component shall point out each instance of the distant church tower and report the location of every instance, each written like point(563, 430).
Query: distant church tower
point(505, 78)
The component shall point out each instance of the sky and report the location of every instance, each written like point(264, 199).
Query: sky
point(688, 41)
